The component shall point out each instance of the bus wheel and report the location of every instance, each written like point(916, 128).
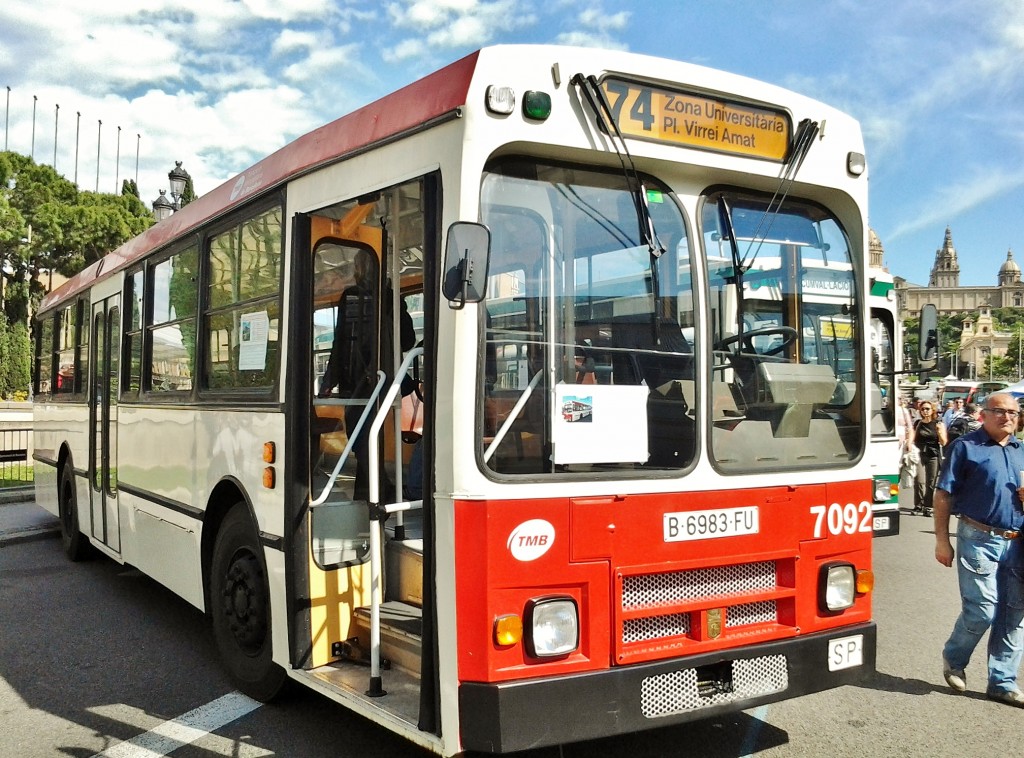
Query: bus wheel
point(240, 608)
point(76, 545)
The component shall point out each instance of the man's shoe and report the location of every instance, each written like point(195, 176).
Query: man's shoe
point(955, 678)
point(1009, 697)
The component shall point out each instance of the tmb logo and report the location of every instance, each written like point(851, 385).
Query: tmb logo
point(531, 539)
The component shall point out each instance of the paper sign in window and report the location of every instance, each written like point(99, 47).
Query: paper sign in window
point(595, 423)
point(253, 332)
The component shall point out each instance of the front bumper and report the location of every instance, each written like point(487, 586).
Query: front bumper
point(510, 716)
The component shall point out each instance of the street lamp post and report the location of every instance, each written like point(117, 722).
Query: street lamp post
point(163, 206)
point(178, 178)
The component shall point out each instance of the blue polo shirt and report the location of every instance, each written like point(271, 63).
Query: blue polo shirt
point(982, 476)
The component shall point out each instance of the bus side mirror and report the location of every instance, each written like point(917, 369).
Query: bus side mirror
point(928, 336)
point(467, 254)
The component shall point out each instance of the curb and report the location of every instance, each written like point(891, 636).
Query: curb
point(15, 528)
point(16, 495)
point(29, 534)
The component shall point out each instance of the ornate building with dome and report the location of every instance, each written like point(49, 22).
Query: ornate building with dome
point(978, 339)
point(946, 294)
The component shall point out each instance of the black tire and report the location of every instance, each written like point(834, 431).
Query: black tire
point(76, 545)
point(240, 608)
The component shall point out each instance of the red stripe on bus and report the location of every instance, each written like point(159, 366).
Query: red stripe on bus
point(415, 104)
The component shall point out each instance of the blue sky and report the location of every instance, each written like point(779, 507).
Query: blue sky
point(218, 84)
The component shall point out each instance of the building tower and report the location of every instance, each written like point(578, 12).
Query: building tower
point(946, 271)
point(876, 253)
point(1009, 272)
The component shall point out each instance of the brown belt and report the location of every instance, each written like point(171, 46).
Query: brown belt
point(1006, 534)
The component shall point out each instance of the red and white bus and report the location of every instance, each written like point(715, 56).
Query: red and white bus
point(565, 226)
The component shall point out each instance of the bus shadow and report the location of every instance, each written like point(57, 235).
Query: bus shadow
point(883, 682)
point(730, 736)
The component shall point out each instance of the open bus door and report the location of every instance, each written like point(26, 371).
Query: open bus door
point(370, 469)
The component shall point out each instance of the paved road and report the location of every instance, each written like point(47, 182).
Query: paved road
point(94, 654)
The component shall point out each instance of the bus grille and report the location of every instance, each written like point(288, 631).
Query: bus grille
point(671, 613)
point(677, 586)
point(692, 689)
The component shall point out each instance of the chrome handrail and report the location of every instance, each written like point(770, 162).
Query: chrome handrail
point(352, 434)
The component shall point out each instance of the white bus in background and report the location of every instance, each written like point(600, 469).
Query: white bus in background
point(887, 424)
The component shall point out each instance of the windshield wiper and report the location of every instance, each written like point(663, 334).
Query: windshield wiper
point(804, 138)
point(595, 98)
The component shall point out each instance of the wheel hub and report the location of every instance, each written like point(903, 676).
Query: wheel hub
point(245, 604)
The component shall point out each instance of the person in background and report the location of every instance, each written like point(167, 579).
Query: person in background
point(915, 409)
point(967, 421)
point(930, 438)
point(980, 484)
point(953, 409)
point(905, 427)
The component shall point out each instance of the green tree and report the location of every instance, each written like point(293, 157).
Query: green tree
point(189, 193)
point(18, 363)
point(47, 224)
point(5, 357)
point(1008, 366)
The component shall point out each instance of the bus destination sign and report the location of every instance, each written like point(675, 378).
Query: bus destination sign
point(697, 120)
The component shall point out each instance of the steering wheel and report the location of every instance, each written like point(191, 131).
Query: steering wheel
point(788, 334)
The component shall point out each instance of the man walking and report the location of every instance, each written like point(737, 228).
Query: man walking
point(980, 484)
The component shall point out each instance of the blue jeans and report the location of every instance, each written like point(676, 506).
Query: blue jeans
point(992, 595)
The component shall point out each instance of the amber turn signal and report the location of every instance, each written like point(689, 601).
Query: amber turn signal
point(508, 630)
point(865, 581)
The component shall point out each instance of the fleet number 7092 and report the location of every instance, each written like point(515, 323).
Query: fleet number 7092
point(840, 519)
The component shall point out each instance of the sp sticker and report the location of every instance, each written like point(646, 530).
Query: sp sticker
point(531, 539)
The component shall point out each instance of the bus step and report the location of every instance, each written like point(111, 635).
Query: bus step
point(400, 629)
point(404, 571)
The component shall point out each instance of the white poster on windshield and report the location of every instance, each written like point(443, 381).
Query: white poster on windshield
point(596, 423)
point(254, 329)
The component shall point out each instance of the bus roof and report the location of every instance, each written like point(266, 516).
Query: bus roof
point(428, 100)
point(425, 100)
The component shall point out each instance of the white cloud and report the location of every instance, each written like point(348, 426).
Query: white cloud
point(956, 198)
point(324, 64)
point(583, 38)
point(404, 50)
point(450, 24)
point(288, 11)
point(594, 27)
point(291, 40)
point(429, 14)
point(596, 18)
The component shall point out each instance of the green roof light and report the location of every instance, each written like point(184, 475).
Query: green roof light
point(536, 105)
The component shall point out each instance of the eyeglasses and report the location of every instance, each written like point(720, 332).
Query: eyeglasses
point(1002, 412)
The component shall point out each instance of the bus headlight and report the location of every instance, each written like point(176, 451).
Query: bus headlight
point(837, 587)
point(554, 627)
point(883, 490)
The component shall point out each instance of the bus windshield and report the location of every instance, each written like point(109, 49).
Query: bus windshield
point(589, 335)
point(785, 383)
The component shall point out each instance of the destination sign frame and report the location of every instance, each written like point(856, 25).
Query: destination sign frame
point(694, 119)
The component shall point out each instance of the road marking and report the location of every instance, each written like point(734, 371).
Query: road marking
point(167, 737)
